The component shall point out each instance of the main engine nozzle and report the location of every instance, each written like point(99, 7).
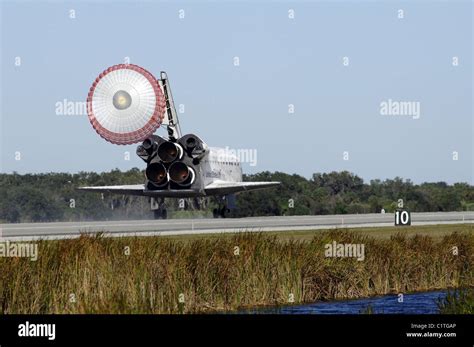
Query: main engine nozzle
point(156, 174)
point(148, 145)
point(169, 152)
point(181, 174)
point(191, 142)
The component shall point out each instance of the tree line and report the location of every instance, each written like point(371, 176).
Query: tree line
point(53, 197)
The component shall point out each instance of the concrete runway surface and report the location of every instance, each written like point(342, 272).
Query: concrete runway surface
point(34, 231)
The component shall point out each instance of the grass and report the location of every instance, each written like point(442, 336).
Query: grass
point(95, 274)
point(367, 310)
point(459, 301)
point(433, 231)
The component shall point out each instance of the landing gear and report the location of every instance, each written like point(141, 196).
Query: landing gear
point(200, 203)
point(222, 210)
point(159, 208)
point(160, 214)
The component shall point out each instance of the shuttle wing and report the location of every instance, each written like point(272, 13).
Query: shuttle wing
point(225, 187)
point(139, 189)
point(215, 188)
point(130, 189)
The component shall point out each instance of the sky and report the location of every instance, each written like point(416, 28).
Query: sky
point(307, 93)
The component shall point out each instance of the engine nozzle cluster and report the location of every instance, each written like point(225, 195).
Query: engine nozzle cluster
point(170, 164)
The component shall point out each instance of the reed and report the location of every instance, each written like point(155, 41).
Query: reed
point(96, 274)
point(458, 301)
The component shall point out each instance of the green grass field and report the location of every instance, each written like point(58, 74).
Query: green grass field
point(434, 231)
point(205, 273)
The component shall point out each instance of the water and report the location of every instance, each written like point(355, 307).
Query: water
point(416, 303)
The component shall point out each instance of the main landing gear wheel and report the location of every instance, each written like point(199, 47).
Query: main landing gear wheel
point(160, 212)
point(222, 210)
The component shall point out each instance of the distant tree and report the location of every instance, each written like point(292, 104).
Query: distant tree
point(52, 196)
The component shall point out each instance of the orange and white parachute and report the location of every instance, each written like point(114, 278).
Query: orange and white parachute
point(126, 104)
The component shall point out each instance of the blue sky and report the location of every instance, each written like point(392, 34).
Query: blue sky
point(283, 61)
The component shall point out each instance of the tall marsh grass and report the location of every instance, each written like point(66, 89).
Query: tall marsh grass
point(160, 275)
point(458, 301)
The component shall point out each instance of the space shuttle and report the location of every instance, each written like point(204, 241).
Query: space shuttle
point(127, 104)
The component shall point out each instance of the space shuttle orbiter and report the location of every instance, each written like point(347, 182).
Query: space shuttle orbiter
point(126, 105)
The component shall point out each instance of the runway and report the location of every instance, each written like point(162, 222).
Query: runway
point(34, 231)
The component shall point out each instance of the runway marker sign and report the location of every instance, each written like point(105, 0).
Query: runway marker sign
point(402, 217)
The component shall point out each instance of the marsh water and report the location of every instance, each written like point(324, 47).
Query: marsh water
point(415, 303)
